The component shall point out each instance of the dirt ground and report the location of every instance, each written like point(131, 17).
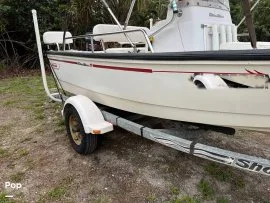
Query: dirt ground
point(35, 152)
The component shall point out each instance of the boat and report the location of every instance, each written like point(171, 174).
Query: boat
point(188, 67)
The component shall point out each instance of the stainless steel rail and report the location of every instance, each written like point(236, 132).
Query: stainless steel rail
point(129, 14)
point(114, 33)
point(117, 22)
point(252, 8)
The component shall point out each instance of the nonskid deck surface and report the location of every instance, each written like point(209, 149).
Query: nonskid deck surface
point(253, 143)
point(225, 55)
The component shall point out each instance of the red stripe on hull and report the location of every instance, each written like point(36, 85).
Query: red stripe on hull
point(144, 70)
point(216, 73)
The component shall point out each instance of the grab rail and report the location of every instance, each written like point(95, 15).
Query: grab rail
point(113, 33)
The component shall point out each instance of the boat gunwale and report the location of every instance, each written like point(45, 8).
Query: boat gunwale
point(224, 55)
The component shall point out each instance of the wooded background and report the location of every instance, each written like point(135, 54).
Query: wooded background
point(17, 38)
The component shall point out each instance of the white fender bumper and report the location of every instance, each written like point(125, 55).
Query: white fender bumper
point(91, 117)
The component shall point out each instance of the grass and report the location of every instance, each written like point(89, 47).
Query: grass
point(61, 123)
point(151, 198)
point(27, 139)
point(57, 193)
point(221, 173)
point(60, 126)
point(102, 199)
point(54, 194)
point(17, 177)
point(25, 93)
point(222, 200)
point(175, 191)
point(185, 199)
point(41, 201)
point(5, 129)
point(225, 174)
point(39, 112)
point(21, 86)
point(29, 164)
point(10, 103)
point(22, 153)
point(206, 190)
point(3, 153)
point(3, 199)
point(11, 165)
point(59, 130)
point(2, 67)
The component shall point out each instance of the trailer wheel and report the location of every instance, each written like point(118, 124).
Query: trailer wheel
point(80, 141)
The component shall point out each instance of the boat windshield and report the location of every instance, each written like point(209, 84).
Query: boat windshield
point(219, 4)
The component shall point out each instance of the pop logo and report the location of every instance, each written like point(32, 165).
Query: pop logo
point(14, 186)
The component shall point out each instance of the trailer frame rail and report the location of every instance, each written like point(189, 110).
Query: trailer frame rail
point(230, 158)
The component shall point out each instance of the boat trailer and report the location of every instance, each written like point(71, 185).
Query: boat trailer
point(92, 115)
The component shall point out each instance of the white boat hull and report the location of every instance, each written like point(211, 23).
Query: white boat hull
point(165, 89)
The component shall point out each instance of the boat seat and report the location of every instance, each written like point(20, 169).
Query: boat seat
point(56, 38)
point(79, 51)
point(125, 50)
point(135, 37)
point(243, 45)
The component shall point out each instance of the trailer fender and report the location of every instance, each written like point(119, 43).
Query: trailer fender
point(91, 116)
point(210, 81)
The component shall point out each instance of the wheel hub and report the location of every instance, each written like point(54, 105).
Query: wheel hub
point(75, 130)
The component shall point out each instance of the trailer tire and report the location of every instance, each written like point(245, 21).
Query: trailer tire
point(80, 141)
